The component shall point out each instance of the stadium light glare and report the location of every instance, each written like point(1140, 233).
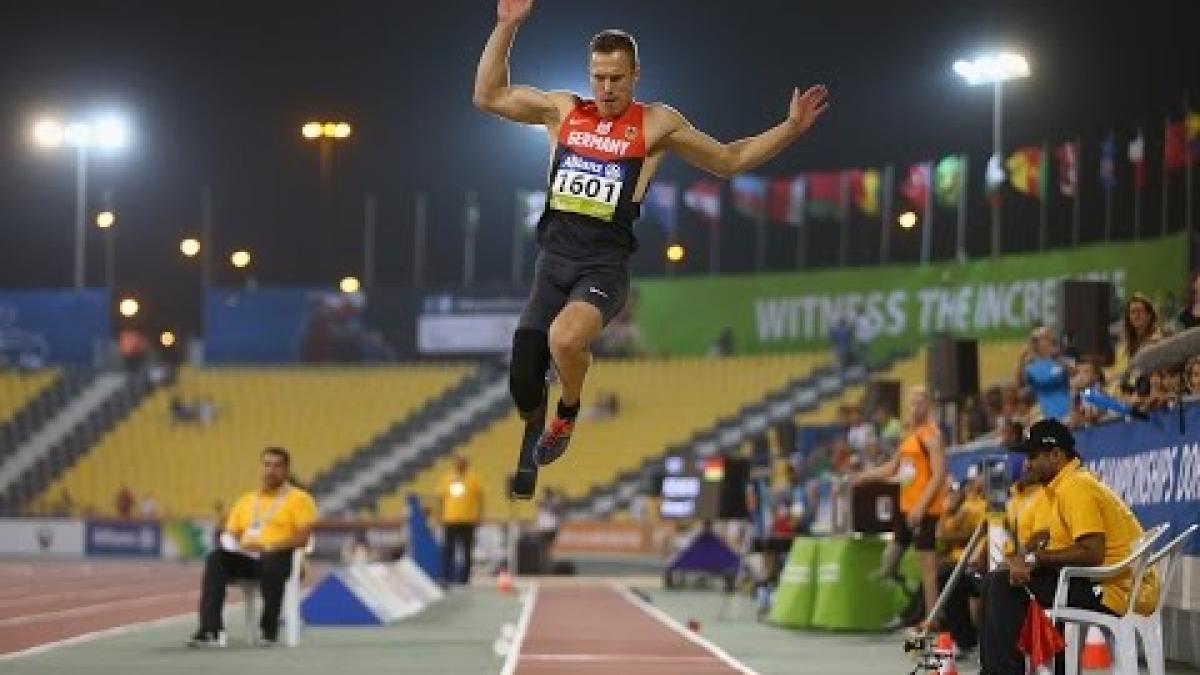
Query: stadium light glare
point(992, 68)
point(341, 130)
point(676, 253)
point(48, 133)
point(129, 307)
point(105, 219)
point(350, 285)
point(311, 130)
point(240, 258)
point(908, 220)
point(167, 339)
point(189, 247)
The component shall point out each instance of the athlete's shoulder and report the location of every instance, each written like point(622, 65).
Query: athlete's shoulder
point(663, 116)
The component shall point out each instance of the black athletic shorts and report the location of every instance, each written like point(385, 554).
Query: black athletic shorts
point(558, 280)
point(924, 539)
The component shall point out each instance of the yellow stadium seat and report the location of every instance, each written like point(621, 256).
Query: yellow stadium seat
point(319, 414)
point(18, 389)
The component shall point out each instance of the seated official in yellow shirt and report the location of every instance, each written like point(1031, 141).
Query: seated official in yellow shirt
point(1076, 521)
point(964, 512)
point(263, 528)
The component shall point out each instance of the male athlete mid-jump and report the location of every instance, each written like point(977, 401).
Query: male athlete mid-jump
point(604, 152)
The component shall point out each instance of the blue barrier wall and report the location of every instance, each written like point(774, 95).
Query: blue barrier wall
point(53, 326)
point(1150, 463)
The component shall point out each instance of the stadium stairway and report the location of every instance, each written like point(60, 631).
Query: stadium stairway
point(728, 434)
point(99, 406)
point(399, 439)
point(48, 394)
point(414, 443)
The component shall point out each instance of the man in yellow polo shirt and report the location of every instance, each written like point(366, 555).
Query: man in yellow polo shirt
point(1077, 521)
point(460, 508)
point(263, 528)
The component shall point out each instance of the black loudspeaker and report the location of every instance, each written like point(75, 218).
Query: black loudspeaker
point(952, 368)
point(532, 556)
point(733, 488)
point(874, 507)
point(1083, 319)
point(882, 392)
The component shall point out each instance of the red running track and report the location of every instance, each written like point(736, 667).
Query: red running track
point(598, 629)
point(43, 601)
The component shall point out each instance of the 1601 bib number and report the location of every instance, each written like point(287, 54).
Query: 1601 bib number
point(585, 193)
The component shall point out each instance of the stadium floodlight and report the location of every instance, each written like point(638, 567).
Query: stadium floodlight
point(675, 253)
point(994, 69)
point(167, 339)
point(105, 219)
point(907, 220)
point(311, 130)
point(106, 132)
point(350, 285)
point(129, 307)
point(190, 247)
point(240, 258)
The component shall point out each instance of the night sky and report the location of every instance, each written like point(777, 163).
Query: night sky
point(219, 91)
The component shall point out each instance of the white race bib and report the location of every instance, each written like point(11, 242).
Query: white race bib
point(593, 192)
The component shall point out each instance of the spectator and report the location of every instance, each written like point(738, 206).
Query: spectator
point(874, 455)
point(1190, 316)
point(859, 432)
point(1140, 326)
point(263, 528)
point(723, 345)
point(962, 517)
point(356, 550)
point(460, 508)
point(888, 427)
point(920, 466)
point(550, 511)
point(1078, 521)
point(181, 412)
point(123, 503)
point(1087, 375)
point(1047, 374)
point(841, 336)
point(148, 507)
point(1191, 380)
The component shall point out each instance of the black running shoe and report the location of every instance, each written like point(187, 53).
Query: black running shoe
point(207, 638)
point(554, 440)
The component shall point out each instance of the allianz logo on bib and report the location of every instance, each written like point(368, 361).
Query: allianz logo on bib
point(577, 163)
point(587, 139)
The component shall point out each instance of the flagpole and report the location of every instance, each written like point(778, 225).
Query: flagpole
point(885, 212)
point(369, 219)
point(1075, 207)
point(960, 249)
point(419, 240)
point(672, 231)
point(1137, 189)
point(927, 226)
point(714, 246)
point(802, 236)
point(843, 218)
point(760, 243)
point(1164, 203)
point(518, 243)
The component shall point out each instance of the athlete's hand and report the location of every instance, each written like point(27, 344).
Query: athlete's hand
point(806, 107)
point(513, 10)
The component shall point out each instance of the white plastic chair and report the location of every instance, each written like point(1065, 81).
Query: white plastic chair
point(290, 612)
point(1149, 628)
point(1120, 627)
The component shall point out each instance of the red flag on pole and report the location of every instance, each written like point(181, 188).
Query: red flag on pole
point(915, 187)
point(1039, 638)
point(1174, 146)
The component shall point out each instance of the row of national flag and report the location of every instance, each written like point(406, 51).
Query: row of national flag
point(1034, 171)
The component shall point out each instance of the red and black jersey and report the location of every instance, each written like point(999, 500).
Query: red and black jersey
point(597, 162)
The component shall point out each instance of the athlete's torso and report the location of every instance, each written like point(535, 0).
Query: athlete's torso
point(595, 184)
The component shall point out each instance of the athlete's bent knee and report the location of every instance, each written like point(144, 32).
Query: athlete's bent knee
point(566, 340)
point(527, 374)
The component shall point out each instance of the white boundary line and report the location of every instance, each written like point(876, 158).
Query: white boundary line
point(683, 632)
point(96, 635)
point(514, 649)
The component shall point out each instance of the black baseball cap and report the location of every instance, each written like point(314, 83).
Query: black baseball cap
point(1045, 434)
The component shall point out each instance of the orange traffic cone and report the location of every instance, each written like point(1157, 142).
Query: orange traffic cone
point(1095, 651)
point(945, 652)
point(504, 581)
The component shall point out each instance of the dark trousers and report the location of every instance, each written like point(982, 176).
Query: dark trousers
point(956, 611)
point(222, 567)
point(1004, 607)
point(458, 536)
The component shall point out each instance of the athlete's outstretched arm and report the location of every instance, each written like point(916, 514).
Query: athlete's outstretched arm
point(729, 159)
point(493, 93)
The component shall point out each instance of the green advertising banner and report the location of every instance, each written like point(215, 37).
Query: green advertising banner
point(897, 306)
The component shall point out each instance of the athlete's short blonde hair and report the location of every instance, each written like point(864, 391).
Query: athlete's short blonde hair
point(614, 40)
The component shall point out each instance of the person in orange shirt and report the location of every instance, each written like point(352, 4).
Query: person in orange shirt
point(1076, 521)
point(920, 467)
